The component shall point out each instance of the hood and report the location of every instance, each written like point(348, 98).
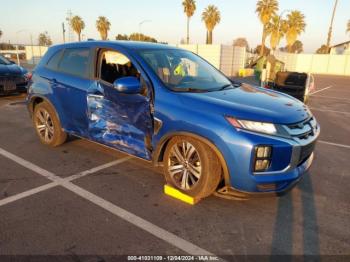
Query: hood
point(251, 103)
point(10, 70)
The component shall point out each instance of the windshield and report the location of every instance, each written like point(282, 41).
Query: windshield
point(184, 71)
point(4, 61)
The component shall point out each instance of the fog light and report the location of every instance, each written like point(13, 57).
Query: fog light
point(262, 158)
point(261, 165)
point(263, 151)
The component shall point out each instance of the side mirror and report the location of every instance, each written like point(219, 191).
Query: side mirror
point(12, 62)
point(127, 85)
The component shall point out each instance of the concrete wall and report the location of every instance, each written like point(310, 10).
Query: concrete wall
point(35, 53)
point(231, 59)
point(226, 58)
point(316, 63)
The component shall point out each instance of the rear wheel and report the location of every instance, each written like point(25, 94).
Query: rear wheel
point(47, 125)
point(191, 166)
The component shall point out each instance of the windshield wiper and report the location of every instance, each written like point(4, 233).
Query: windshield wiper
point(189, 89)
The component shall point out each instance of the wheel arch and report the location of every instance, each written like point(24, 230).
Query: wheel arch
point(163, 142)
point(37, 99)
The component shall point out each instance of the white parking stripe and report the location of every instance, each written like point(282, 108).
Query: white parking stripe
point(139, 222)
point(27, 193)
point(333, 97)
point(166, 236)
point(30, 165)
point(56, 180)
point(331, 111)
point(323, 89)
point(98, 168)
point(334, 144)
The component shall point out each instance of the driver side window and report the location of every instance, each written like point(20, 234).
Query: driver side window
point(115, 65)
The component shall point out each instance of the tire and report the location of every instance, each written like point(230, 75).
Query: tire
point(47, 125)
point(191, 167)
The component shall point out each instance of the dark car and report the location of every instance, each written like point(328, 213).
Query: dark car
point(13, 78)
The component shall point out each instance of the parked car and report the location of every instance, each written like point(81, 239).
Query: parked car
point(13, 78)
point(171, 107)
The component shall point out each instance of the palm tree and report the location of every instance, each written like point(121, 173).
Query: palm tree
point(295, 25)
point(348, 27)
point(77, 25)
point(266, 9)
point(276, 28)
point(189, 9)
point(103, 26)
point(211, 17)
point(0, 33)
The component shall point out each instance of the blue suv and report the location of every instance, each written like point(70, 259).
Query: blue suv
point(171, 107)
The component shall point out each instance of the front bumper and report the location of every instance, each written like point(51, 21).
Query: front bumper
point(229, 192)
point(291, 158)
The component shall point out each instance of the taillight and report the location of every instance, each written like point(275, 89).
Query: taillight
point(28, 76)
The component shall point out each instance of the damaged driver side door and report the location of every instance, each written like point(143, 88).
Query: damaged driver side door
point(119, 105)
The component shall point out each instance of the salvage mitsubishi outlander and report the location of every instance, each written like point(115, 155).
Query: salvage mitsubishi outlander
point(171, 107)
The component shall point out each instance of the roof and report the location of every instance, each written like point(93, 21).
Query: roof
point(344, 43)
point(135, 45)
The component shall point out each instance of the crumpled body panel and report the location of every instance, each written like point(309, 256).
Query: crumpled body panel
point(120, 121)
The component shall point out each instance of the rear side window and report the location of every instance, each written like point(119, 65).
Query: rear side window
point(75, 61)
point(54, 60)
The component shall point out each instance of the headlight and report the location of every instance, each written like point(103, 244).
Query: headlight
point(261, 127)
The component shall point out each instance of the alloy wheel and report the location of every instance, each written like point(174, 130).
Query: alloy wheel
point(44, 125)
point(184, 165)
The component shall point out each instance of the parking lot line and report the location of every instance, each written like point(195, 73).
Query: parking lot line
point(318, 91)
point(331, 111)
point(153, 229)
point(98, 168)
point(139, 222)
point(56, 183)
point(28, 193)
point(334, 144)
point(333, 97)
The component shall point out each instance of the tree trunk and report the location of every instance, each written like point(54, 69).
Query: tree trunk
point(262, 49)
point(79, 37)
point(188, 30)
point(210, 38)
point(206, 39)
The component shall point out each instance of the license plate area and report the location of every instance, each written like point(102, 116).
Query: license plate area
point(9, 85)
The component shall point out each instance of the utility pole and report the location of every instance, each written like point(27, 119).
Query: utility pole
point(31, 43)
point(64, 33)
point(70, 31)
point(140, 24)
point(331, 27)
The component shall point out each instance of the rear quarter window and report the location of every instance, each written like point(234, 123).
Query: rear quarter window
point(54, 60)
point(75, 61)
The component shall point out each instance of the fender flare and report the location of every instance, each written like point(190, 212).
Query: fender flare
point(30, 105)
point(159, 152)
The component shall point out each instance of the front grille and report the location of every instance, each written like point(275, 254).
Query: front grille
point(302, 130)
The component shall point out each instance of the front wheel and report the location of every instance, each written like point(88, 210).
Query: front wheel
point(191, 166)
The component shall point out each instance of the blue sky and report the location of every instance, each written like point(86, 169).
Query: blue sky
point(238, 19)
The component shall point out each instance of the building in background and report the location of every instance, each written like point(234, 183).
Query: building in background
point(341, 49)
